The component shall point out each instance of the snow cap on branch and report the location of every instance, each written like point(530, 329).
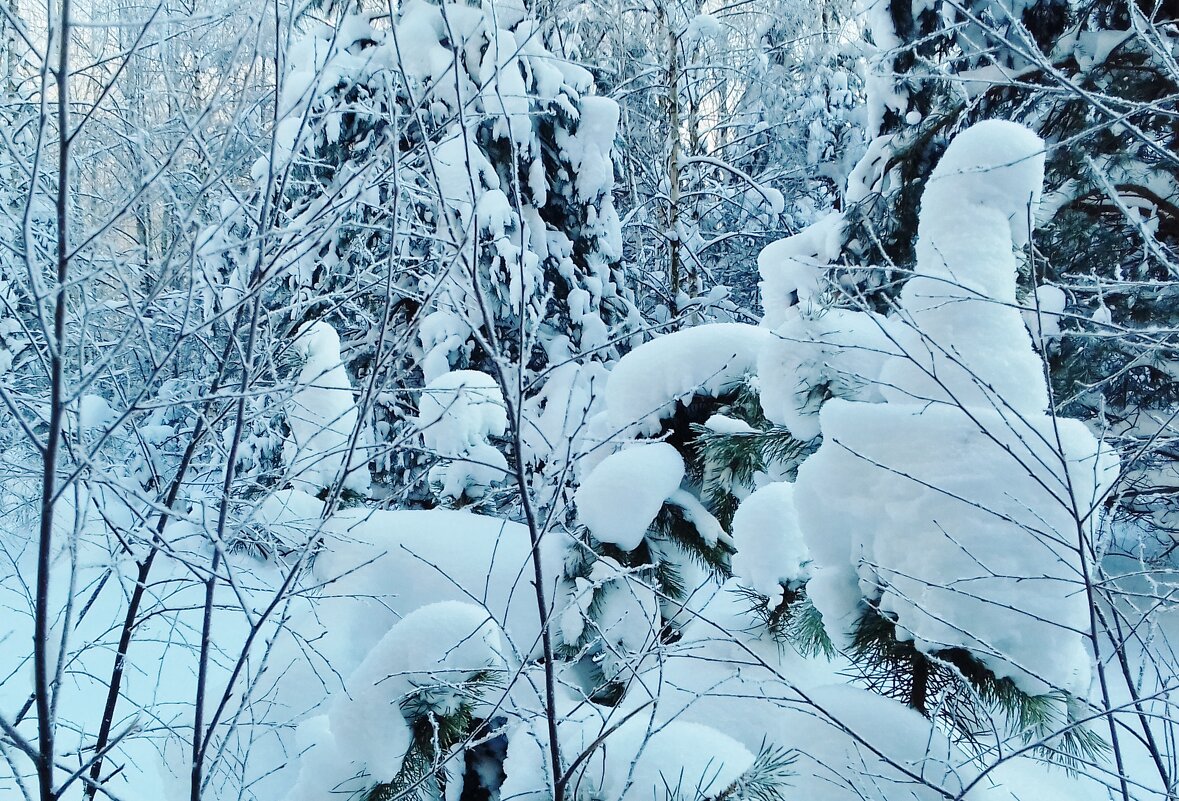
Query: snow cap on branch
point(958, 508)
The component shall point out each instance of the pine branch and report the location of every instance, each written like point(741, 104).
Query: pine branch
point(954, 687)
point(765, 780)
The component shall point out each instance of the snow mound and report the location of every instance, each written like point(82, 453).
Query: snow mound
point(459, 410)
point(994, 165)
point(705, 360)
point(620, 498)
point(378, 566)
point(792, 269)
point(322, 417)
point(957, 507)
point(961, 326)
point(770, 548)
point(975, 545)
point(854, 745)
point(636, 761)
point(426, 660)
point(811, 357)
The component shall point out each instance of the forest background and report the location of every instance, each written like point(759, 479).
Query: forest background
point(753, 400)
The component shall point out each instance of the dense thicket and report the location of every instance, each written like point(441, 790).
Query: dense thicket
point(578, 399)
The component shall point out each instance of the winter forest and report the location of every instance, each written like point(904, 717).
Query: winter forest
point(589, 400)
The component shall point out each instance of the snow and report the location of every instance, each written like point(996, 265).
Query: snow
point(962, 526)
point(962, 328)
point(626, 490)
point(850, 744)
point(945, 493)
point(322, 417)
point(792, 269)
point(588, 150)
point(381, 565)
point(854, 745)
point(723, 424)
point(94, 412)
point(291, 516)
point(711, 360)
point(1043, 312)
point(442, 334)
point(624, 623)
point(429, 656)
point(506, 14)
point(555, 417)
point(962, 519)
point(459, 410)
point(637, 762)
point(814, 355)
point(771, 552)
point(703, 26)
point(91, 570)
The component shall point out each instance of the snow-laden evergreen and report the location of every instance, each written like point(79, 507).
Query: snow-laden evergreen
point(441, 194)
point(336, 460)
point(989, 530)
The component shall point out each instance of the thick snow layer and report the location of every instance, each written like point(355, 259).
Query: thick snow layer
point(812, 356)
point(92, 571)
point(705, 360)
point(460, 410)
point(292, 517)
point(792, 269)
point(620, 498)
point(703, 26)
point(428, 656)
point(960, 323)
point(854, 745)
point(610, 607)
point(555, 418)
point(94, 412)
point(962, 526)
point(377, 566)
point(851, 744)
point(322, 417)
point(962, 519)
point(770, 548)
point(995, 165)
point(637, 761)
point(1042, 313)
point(588, 150)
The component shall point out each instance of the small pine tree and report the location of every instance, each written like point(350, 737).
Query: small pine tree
point(441, 196)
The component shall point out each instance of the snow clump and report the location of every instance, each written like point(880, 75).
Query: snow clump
point(624, 493)
point(458, 412)
point(322, 416)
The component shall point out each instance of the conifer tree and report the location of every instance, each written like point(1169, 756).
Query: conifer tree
point(953, 600)
point(442, 196)
point(1095, 81)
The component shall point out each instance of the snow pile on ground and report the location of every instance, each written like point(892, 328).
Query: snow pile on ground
point(639, 760)
point(428, 660)
point(848, 744)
